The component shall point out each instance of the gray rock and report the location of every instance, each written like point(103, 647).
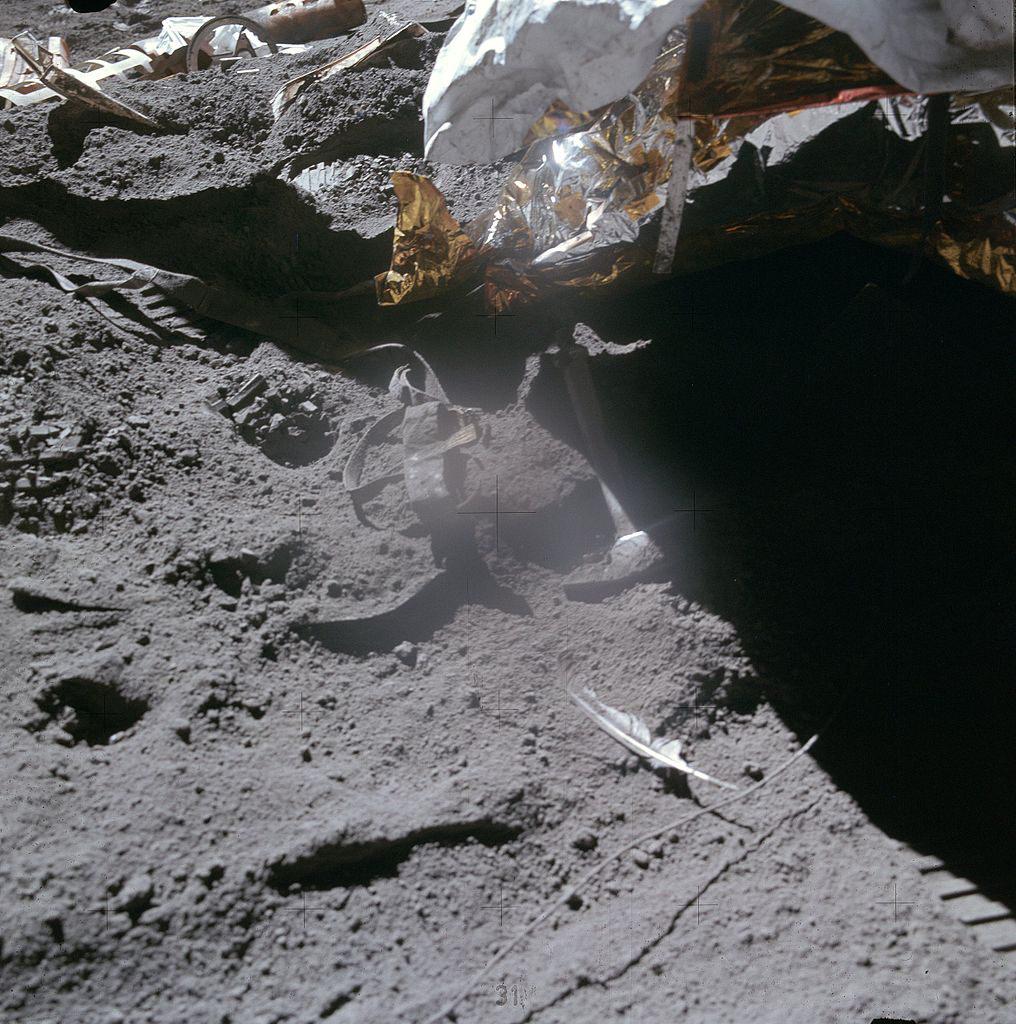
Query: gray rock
point(136, 895)
point(406, 653)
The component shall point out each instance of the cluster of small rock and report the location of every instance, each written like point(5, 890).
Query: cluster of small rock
point(264, 414)
point(56, 475)
point(36, 465)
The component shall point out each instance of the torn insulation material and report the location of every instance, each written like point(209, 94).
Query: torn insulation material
point(582, 205)
point(510, 59)
point(70, 85)
point(431, 250)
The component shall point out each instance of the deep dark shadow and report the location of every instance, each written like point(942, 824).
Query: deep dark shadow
point(96, 711)
point(344, 865)
point(418, 618)
point(289, 245)
point(840, 457)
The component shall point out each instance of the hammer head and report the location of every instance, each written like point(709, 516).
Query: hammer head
point(633, 558)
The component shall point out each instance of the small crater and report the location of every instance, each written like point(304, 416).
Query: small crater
point(287, 420)
point(228, 570)
point(90, 711)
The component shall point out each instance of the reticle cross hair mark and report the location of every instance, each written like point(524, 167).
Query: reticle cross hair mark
point(896, 903)
point(490, 119)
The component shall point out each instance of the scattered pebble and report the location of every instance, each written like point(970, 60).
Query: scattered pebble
point(135, 895)
point(640, 858)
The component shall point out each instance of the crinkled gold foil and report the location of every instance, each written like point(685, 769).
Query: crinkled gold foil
point(431, 250)
point(980, 253)
point(557, 119)
point(757, 55)
point(573, 209)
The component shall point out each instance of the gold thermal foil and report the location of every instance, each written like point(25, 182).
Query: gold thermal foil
point(579, 208)
point(757, 55)
point(431, 251)
point(985, 253)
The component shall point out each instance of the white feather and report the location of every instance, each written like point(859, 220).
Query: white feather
point(630, 731)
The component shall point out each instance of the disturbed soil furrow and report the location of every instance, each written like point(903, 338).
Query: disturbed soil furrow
point(335, 866)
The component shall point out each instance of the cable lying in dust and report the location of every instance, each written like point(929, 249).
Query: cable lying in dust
point(649, 946)
point(655, 833)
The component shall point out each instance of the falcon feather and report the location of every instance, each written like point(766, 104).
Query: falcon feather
point(630, 731)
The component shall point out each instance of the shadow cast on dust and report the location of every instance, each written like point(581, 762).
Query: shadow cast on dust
point(832, 447)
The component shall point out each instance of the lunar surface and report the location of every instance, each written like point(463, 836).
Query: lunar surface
point(267, 760)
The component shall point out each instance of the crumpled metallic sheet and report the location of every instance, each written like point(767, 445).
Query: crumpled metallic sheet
point(557, 119)
point(431, 251)
point(875, 186)
point(570, 196)
point(757, 55)
point(984, 252)
point(574, 211)
point(14, 68)
point(802, 176)
point(153, 58)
